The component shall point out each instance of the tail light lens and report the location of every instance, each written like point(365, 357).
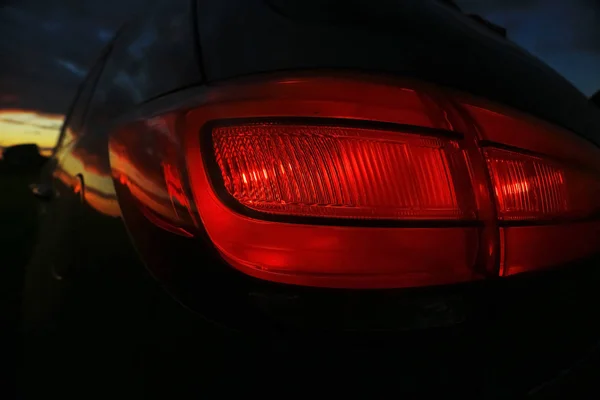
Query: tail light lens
point(531, 188)
point(346, 182)
point(341, 172)
point(546, 184)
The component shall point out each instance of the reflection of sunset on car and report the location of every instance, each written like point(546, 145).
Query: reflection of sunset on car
point(156, 185)
point(29, 126)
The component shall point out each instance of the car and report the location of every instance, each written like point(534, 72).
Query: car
point(276, 197)
point(22, 155)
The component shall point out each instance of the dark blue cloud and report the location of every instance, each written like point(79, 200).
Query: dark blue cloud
point(47, 47)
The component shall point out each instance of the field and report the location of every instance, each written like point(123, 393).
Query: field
point(18, 225)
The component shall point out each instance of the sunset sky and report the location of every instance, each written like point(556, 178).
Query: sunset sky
point(47, 47)
point(25, 126)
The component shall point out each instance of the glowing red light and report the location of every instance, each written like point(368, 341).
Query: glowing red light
point(333, 171)
point(532, 187)
point(244, 174)
point(527, 187)
point(175, 188)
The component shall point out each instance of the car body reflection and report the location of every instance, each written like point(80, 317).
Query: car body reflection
point(143, 161)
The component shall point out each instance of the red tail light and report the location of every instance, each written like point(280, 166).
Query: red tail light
point(546, 189)
point(529, 187)
point(341, 172)
point(341, 182)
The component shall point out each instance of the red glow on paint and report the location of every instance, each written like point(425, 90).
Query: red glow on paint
point(175, 188)
point(163, 223)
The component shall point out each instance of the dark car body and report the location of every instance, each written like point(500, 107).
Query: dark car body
point(112, 303)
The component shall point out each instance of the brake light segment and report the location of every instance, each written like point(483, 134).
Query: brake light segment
point(337, 172)
point(527, 187)
point(536, 188)
point(308, 170)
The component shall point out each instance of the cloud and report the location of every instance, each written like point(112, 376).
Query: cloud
point(72, 67)
point(47, 47)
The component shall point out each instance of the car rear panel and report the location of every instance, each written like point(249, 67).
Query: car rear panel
point(513, 337)
point(505, 336)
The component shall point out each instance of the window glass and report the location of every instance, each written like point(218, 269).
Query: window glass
point(154, 55)
point(76, 115)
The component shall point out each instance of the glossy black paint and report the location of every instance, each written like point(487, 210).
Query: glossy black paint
point(422, 39)
point(98, 293)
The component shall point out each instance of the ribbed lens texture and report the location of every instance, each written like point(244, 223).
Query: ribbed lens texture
point(324, 171)
point(528, 187)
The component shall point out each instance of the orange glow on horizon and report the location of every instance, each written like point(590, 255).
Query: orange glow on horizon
point(29, 126)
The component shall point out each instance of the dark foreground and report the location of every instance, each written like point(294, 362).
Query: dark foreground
point(18, 225)
point(18, 219)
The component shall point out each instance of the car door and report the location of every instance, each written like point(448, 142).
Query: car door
point(83, 245)
point(69, 276)
point(58, 193)
point(86, 281)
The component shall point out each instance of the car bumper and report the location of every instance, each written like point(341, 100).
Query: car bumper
point(504, 337)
